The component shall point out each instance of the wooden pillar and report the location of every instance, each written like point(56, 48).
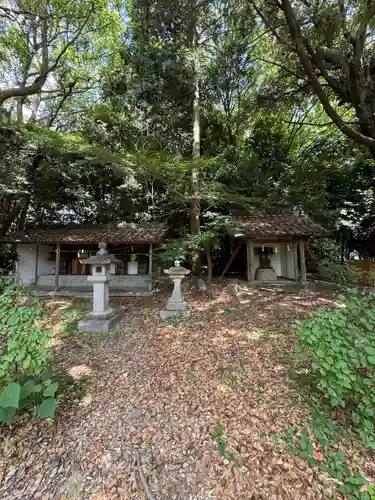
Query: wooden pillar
point(57, 266)
point(150, 265)
point(250, 260)
point(303, 261)
point(36, 263)
point(295, 260)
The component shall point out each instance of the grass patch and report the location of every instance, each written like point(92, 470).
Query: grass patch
point(193, 375)
point(222, 441)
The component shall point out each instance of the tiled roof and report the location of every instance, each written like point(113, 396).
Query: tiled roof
point(126, 234)
point(276, 225)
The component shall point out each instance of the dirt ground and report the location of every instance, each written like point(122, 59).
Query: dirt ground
point(155, 395)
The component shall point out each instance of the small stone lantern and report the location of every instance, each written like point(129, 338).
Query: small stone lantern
point(176, 304)
point(102, 317)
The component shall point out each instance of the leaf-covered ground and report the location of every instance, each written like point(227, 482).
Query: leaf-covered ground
point(164, 390)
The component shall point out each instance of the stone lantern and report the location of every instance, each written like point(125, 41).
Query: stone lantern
point(102, 317)
point(176, 304)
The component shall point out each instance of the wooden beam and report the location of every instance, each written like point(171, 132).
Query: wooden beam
point(150, 266)
point(303, 261)
point(57, 266)
point(295, 261)
point(232, 257)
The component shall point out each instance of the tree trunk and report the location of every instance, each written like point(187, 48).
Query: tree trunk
point(11, 207)
point(20, 102)
point(209, 266)
point(23, 212)
point(38, 100)
point(194, 204)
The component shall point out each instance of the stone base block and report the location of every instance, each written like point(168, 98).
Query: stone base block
point(265, 274)
point(96, 323)
point(102, 315)
point(176, 306)
point(168, 313)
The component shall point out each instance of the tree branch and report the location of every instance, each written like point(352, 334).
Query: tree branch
point(22, 12)
point(295, 34)
point(309, 123)
point(45, 69)
point(67, 93)
point(73, 40)
point(284, 68)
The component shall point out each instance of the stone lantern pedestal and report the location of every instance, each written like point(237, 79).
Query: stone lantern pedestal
point(102, 318)
point(176, 304)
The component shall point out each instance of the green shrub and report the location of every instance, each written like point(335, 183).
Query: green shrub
point(37, 391)
point(339, 349)
point(326, 251)
point(25, 375)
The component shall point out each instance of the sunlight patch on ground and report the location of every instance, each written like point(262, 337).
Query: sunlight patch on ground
point(79, 372)
point(253, 334)
point(86, 400)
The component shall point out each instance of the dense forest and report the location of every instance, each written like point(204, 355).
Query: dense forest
point(188, 111)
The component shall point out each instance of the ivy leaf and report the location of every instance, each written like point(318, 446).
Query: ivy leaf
point(13, 320)
point(47, 374)
point(47, 408)
point(26, 362)
point(7, 414)
point(23, 403)
point(27, 389)
point(10, 396)
point(371, 360)
point(357, 480)
point(50, 390)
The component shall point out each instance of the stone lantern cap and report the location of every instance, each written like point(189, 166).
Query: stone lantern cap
point(101, 258)
point(177, 270)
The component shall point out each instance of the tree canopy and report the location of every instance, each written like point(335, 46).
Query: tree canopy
point(144, 111)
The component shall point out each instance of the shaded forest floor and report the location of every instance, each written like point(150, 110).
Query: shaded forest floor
point(169, 391)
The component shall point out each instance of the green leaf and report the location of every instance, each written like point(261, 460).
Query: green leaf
point(357, 480)
point(47, 408)
point(13, 320)
point(23, 403)
point(10, 396)
point(7, 414)
point(47, 374)
point(50, 390)
point(26, 362)
point(371, 360)
point(27, 389)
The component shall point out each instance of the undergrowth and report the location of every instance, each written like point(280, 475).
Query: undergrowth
point(334, 367)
